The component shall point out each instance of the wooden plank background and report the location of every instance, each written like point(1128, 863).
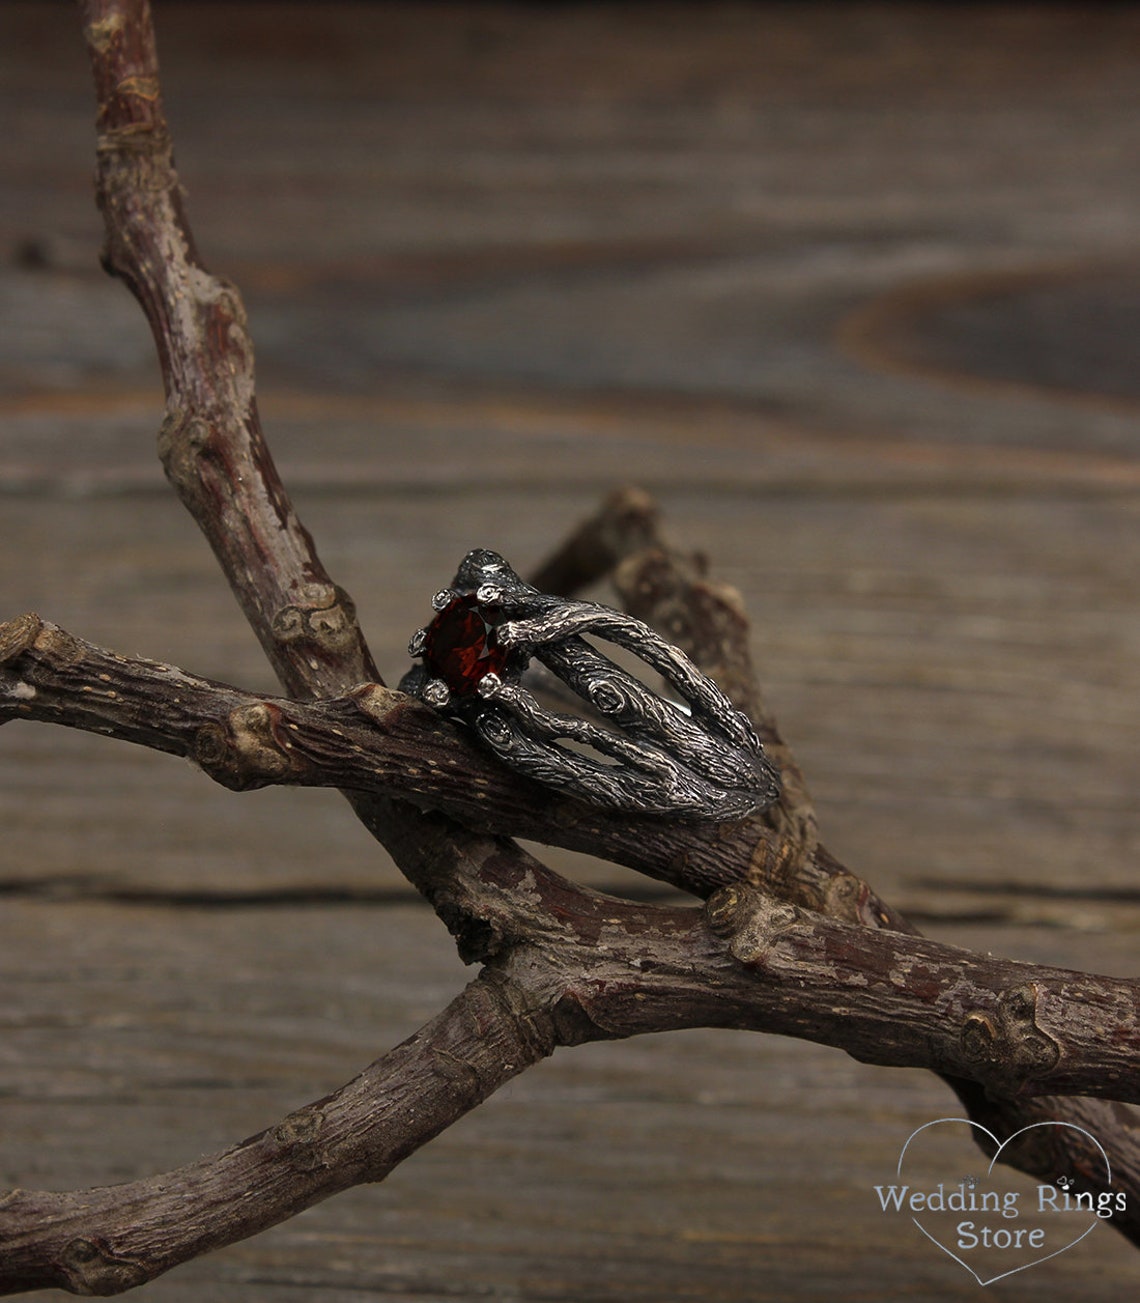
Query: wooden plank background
point(855, 291)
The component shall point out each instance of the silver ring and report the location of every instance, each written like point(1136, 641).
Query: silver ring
point(651, 755)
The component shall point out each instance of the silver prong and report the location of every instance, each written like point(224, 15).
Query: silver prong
point(436, 693)
point(642, 751)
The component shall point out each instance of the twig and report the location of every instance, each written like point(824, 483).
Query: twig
point(211, 442)
point(373, 742)
point(113, 1238)
point(564, 965)
point(671, 591)
point(884, 996)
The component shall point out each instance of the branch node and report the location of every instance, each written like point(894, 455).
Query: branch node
point(298, 1136)
point(100, 32)
point(1006, 1045)
point(58, 646)
point(325, 615)
point(17, 635)
point(752, 921)
point(462, 1077)
point(726, 909)
point(91, 1268)
point(376, 701)
point(248, 752)
point(140, 150)
point(846, 897)
point(181, 442)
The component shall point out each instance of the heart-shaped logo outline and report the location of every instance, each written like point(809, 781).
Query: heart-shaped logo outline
point(1036, 1262)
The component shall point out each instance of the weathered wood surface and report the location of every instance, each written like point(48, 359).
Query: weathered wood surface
point(854, 291)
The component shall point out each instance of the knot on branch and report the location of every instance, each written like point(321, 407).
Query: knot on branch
point(18, 635)
point(91, 1268)
point(376, 702)
point(101, 32)
point(299, 1137)
point(28, 632)
point(182, 441)
point(462, 1076)
point(249, 751)
point(1006, 1045)
point(751, 921)
point(138, 148)
point(843, 895)
point(325, 615)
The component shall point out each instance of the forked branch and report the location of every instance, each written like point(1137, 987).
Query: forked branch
point(788, 941)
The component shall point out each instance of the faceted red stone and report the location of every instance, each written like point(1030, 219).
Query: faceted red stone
point(460, 647)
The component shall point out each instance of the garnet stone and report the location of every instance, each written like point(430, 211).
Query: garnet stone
point(460, 646)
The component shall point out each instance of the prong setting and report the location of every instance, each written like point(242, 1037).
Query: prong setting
point(700, 760)
point(490, 685)
point(436, 693)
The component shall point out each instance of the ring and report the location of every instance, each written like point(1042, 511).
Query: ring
point(697, 758)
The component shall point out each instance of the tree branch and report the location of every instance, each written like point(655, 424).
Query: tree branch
point(211, 443)
point(113, 1238)
point(806, 950)
point(884, 996)
point(611, 969)
point(372, 741)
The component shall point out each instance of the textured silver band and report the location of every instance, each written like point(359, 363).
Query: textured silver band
point(650, 755)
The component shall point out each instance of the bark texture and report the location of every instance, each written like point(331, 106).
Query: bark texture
point(788, 940)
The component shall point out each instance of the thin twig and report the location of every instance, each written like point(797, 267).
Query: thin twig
point(1043, 1030)
point(564, 964)
point(116, 1237)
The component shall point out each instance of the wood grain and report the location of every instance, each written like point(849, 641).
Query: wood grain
point(497, 261)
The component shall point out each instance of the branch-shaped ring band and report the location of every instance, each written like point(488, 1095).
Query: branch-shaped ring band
point(646, 754)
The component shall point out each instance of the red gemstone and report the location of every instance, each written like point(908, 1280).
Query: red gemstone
point(460, 647)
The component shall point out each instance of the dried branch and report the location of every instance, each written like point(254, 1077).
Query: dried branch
point(594, 968)
point(113, 1238)
point(884, 996)
point(814, 953)
point(672, 591)
point(211, 443)
point(372, 741)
